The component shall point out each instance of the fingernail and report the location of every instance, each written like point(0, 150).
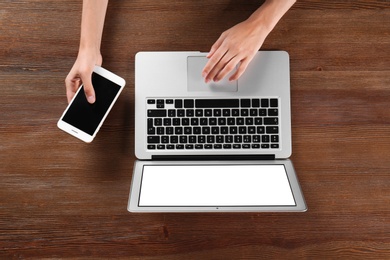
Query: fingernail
point(91, 99)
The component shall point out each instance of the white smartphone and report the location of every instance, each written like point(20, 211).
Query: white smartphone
point(82, 119)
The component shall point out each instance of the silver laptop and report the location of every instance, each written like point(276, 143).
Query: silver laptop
point(212, 147)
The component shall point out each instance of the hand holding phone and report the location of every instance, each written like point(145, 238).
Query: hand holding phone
point(82, 119)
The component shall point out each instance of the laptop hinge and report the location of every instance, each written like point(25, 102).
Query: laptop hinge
point(214, 157)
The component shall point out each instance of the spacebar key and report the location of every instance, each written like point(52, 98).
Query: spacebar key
point(214, 103)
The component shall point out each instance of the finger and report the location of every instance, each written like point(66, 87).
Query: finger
point(212, 62)
point(240, 70)
point(220, 66)
point(72, 83)
point(88, 88)
point(229, 66)
point(214, 56)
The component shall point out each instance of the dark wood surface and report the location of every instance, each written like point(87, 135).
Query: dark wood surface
point(61, 198)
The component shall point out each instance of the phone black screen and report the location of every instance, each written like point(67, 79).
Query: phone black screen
point(86, 116)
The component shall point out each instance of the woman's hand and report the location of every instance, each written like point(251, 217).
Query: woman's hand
point(235, 47)
point(81, 73)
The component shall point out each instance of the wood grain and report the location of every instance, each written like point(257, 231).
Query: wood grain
point(61, 198)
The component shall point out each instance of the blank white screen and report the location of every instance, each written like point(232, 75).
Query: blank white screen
point(215, 185)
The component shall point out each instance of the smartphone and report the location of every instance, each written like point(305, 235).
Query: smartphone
point(82, 119)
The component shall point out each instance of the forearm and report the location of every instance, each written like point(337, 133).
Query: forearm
point(269, 14)
point(92, 23)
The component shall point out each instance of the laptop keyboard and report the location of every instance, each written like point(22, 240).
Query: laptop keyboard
point(196, 124)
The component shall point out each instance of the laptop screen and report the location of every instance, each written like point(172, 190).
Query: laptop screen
point(215, 185)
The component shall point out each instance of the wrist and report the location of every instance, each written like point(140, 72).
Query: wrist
point(269, 14)
point(90, 55)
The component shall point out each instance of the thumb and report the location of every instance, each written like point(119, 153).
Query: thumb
point(89, 90)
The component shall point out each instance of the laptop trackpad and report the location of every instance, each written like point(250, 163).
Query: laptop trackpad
point(195, 81)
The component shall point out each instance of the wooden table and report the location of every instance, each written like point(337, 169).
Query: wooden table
point(61, 198)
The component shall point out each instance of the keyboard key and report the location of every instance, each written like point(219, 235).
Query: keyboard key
point(220, 139)
point(274, 102)
point(217, 112)
point(201, 139)
point(178, 103)
point(264, 102)
point(206, 130)
point(178, 130)
point(192, 139)
point(171, 113)
point(247, 139)
point(164, 139)
point(157, 113)
point(271, 121)
point(208, 112)
point(160, 130)
point(253, 112)
point(197, 130)
point(187, 130)
point(190, 113)
point(272, 129)
point(260, 130)
point(258, 121)
point(189, 103)
point(194, 121)
point(174, 139)
point(210, 139)
point(153, 139)
point(256, 138)
point(273, 112)
point(185, 121)
point(181, 112)
point(245, 103)
point(158, 122)
point(242, 130)
point(255, 102)
point(217, 146)
point(167, 121)
point(183, 139)
point(169, 130)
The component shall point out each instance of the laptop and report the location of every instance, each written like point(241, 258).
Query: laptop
point(213, 147)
